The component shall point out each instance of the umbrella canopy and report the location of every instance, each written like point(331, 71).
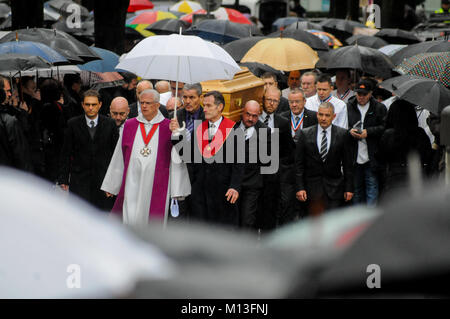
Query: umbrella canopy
point(66, 7)
point(10, 62)
point(188, 59)
point(398, 36)
point(282, 54)
point(300, 35)
point(361, 58)
point(68, 46)
point(280, 23)
point(136, 5)
point(391, 49)
point(221, 31)
point(149, 17)
point(106, 64)
point(167, 26)
point(5, 10)
point(304, 25)
point(34, 48)
point(238, 48)
point(87, 28)
point(434, 66)
point(221, 14)
point(186, 6)
point(341, 28)
point(367, 41)
point(429, 94)
point(258, 69)
point(327, 38)
point(423, 47)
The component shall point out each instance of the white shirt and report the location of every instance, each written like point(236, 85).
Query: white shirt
point(320, 135)
point(248, 131)
point(214, 129)
point(345, 97)
point(88, 121)
point(293, 122)
point(363, 154)
point(340, 109)
point(271, 123)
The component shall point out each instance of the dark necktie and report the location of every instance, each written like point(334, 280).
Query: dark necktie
point(323, 146)
point(92, 129)
point(190, 123)
point(266, 120)
point(211, 131)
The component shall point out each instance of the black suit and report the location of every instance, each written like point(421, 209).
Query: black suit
point(84, 161)
point(325, 183)
point(134, 110)
point(283, 106)
point(253, 183)
point(275, 205)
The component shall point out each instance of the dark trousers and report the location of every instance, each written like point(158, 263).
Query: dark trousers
point(286, 210)
point(248, 207)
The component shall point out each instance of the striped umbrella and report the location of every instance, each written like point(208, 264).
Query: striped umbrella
point(434, 66)
point(326, 37)
point(141, 21)
point(221, 14)
point(186, 6)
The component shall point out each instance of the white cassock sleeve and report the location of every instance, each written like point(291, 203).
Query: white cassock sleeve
point(180, 185)
point(113, 178)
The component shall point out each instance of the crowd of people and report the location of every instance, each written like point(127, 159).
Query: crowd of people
point(124, 150)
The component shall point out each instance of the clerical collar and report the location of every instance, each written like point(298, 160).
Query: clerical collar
point(88, 120)
point(216, 123)
point(157, 119)
point(325, 100)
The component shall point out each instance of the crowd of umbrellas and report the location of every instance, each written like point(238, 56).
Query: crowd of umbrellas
point(415, 70)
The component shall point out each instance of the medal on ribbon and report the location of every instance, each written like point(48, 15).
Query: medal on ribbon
point(146, 151)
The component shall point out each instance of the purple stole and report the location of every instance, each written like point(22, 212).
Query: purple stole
point(161, 180)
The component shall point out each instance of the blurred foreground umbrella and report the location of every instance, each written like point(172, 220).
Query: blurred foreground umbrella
point(429, 94)
point(327, 38)
point(304, 25)
point(167, 26)
point(220, 31)
point(51, 244)
point(430, 65)
point(5, 10)
point(367, 41)
point(238, 48)
point(423, 47)
point(280, 23)
point(391, 49)
point(300, 35)
point(397, 36)
point(199, 60)
point(282, 54)
point(108, 61)
point(67, 45)
point(221, 14)
point(186, 6)
point(10, 62)
point(34, 48)
point(136, 5)
point(368, 60)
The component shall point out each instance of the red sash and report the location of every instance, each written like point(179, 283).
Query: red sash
point(208, 150)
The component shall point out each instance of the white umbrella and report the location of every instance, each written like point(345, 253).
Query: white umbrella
point(176, 57)
point(52, 246)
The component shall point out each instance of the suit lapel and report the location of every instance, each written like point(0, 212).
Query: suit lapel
point(84, 127)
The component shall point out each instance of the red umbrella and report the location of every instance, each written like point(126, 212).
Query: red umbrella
point(136, 5)
point(221, 14)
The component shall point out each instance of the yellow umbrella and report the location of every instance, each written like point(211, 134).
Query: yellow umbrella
point(283, 54)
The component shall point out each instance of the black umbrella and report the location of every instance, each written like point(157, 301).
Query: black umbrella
point(429, 94)
point(367, 41)
point(66, 7)
point(304, 25)
point(423, 47)
point(62, 42)
point(341, 28)
point(221, 31)
point(314, 42)
point(13, 62)
point(168, 26)
point(362, 58)
point(238, 48)
point(258, 69)
point(397, 36)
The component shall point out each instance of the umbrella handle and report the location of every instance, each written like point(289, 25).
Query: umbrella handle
point(178, 131)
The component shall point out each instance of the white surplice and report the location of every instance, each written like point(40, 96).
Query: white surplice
point(140, 176)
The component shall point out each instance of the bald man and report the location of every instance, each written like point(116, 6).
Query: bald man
point(135, 108)
point(119, 110)
point(252, 184)
point(170, 105)
point(163, 87)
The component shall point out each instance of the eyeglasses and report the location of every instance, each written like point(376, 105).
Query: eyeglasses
point(272, 101)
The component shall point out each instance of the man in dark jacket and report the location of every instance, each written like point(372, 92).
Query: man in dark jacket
point(366, 119)
point(89, 143)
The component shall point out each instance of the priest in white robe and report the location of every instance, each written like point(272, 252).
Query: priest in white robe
point(145, 170)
